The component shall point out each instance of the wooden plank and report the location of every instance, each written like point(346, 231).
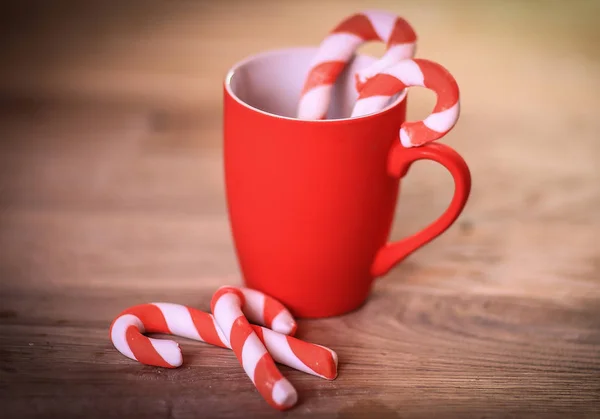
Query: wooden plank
point(407, 351)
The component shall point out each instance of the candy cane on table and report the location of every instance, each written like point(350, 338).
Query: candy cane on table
point(338, 48)
point(126, 335)
point(226, 305)
point(265, 310)
point(414, 72)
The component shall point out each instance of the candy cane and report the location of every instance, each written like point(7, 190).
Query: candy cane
point(339, 46)
point(416, 72)
point(263, 309)
point(126, 335)
point(126, 332)
point(226, 305)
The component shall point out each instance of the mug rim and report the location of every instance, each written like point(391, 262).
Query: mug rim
point(231, 72)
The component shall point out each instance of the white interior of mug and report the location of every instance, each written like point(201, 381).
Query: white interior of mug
point(271, 82)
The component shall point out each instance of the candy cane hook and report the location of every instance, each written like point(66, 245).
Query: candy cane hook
point(340, 45)
point(416, 72)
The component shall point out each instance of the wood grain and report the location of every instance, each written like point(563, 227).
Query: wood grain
point(112, 194)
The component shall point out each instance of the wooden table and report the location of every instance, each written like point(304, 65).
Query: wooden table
point(112, 194)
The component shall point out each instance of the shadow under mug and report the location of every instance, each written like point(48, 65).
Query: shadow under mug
point(311, 203)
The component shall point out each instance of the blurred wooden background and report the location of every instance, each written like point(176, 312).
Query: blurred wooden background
point(111, 194)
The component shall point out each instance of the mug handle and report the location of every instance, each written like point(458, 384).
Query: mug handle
point(399, 161)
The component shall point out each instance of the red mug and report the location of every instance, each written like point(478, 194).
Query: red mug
point(311, 203)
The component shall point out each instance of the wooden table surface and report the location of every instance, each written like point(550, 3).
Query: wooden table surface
point(111, 194)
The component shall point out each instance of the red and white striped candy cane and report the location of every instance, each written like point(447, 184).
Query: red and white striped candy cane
point(126, 332)
point(226, 306)
point(338, 48)
point(414, 72)
point(175, 319)
point(267, 311)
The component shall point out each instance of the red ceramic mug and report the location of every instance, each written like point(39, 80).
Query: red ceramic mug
point(311, 203)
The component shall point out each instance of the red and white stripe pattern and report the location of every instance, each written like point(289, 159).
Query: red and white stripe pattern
point(126, 332)
point(226, 306)
point(377, 92)
point(340, 45)
point(175, 319)
point(267, 311)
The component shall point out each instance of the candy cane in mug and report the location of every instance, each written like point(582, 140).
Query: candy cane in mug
point(226, 306)
point(340, 45)
point(175, 319)
point(414, 72)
